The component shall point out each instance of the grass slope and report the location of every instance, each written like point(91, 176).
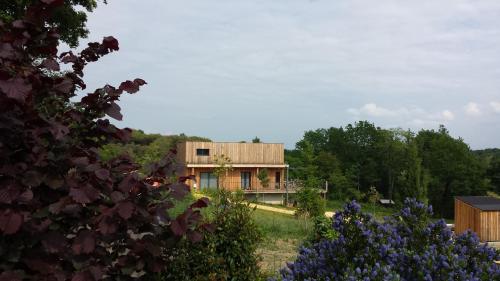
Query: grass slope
point(283, 234)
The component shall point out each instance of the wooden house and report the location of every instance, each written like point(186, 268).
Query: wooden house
point(480, 214)
point(246, 161)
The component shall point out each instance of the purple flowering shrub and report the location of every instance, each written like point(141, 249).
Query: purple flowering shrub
point(406, 246)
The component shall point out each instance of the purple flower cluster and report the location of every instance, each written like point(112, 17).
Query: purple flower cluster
point(406, 246)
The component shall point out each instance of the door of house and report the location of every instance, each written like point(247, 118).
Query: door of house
point(245, 180)
point(277, 180)
point(208, 181)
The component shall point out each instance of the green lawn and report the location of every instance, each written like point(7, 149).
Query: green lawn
point(378, 211)
point(283, 235)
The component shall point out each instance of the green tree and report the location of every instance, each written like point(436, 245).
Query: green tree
point(263, 177)
point(256, 140)
point(143, 148)
point(70, 18)
point(453, 169)
point(309, 202)
point(222, 167)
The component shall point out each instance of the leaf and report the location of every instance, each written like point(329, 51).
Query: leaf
point(79, 195)
point(54, 242)
point(56, 207)
point(139, 82)
point(127, 183)
point(110, 42)
point(51, 64)
point(194, 236)
point(65, 86)
point(178, 227)
point(15, 88)
point(117, 196)
point(126, 209)
point(209, 227)
point(26, 196)
point(183, 179)
point(114, 111)
point(102, 174)
point(8, 194)
point(10, 221)
point(107, 226)
point(131, 87)
point(179, 190)
point(201, 203)
point(7, 51)
point(84, 194)
point(84, 243)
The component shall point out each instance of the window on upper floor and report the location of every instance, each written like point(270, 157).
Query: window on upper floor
point(202, 152)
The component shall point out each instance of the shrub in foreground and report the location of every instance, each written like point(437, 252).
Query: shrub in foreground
point(226, 253)
point(407, 246)
point(64, 213)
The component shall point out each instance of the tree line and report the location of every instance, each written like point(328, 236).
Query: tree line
point(430, 165)
point(143, 148)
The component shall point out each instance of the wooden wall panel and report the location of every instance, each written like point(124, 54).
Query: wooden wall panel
point(240, 153)
point(486, 224)
point(490, 226)
point(466, 217)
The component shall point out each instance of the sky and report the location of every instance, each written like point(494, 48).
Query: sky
point(231, 70)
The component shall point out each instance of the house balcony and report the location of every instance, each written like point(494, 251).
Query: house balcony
point(253, 187)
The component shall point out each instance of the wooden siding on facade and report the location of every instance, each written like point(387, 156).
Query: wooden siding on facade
point(485, 223)
point(239, 153)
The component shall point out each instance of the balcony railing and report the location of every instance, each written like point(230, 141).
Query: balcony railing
point(254, 187)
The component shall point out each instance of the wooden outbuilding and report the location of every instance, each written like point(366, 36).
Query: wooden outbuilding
point(480, 214)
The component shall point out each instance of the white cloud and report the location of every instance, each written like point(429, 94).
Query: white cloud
point(496, 106)
point(415, 116)
point(472, 109)
point(373, 110)
point(448, 115)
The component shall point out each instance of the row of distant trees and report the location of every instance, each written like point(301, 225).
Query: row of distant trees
point(145, 148)
point(429, 165)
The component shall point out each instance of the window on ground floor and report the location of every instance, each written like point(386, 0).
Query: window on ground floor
point(277, 180)
point(208, 180)
point(245, 180)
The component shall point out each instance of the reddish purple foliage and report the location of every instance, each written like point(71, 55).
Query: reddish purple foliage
point(64, 214)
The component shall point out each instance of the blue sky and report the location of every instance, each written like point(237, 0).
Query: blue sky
point(231, 70)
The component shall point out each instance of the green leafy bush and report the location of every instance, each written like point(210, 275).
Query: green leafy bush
point(322, 229)
point(372, 195)
point(226, 253)
point(309, 202)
